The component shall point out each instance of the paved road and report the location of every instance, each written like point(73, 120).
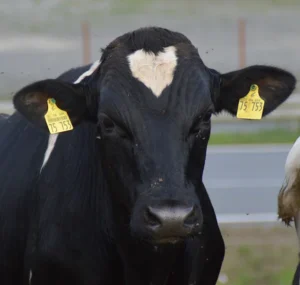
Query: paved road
point(243, 182)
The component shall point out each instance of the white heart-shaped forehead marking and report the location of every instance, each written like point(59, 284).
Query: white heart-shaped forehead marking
point(154, 71)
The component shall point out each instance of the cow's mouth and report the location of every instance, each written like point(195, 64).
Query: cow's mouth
point(168, 240)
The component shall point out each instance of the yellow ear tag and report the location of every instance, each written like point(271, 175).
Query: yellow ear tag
point(57, 120)
point(251, 106)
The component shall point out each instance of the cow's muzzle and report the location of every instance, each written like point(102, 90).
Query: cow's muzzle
point(165, 223)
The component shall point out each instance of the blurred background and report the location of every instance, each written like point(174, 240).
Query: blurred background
point(245, 165)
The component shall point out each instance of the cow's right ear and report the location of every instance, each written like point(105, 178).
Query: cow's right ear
point(31, 101)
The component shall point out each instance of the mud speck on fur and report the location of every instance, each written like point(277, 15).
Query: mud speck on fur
point(289, 201)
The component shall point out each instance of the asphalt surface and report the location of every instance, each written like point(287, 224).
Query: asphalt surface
point(243, 181)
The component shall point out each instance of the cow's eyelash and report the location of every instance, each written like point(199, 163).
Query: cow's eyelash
point(111, 126)
point(198, 123)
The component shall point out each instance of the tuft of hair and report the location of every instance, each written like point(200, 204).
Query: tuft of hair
point(150, 39)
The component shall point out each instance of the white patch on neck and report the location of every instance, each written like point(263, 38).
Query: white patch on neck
point(89, 72)
point(292, 164)
point(51, 144)
point(53, 138)
point(30, 276)
point(154, 71)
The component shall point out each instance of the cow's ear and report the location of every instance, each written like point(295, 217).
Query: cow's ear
point(75, 99)
point(275, 86)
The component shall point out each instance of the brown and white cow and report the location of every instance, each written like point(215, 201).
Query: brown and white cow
point(289, 195)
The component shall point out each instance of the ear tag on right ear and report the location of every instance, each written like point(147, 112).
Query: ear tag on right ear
point(251, 106)
point(57, 120)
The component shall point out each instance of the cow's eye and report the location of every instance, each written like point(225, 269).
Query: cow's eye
point(200, 124)
point(109, 127)
point(206, 118)
point(123, 133)
point(196, 127)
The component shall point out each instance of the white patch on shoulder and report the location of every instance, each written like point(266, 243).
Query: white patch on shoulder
point(53, 138)
point(51, 144)
point(292, 164)
point(30, 276)
point(89, 72)
point(155, 71)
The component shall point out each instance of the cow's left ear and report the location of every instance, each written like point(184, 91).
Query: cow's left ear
point(275, 86)
point(76, 99)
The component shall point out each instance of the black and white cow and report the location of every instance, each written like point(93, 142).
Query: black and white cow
point(120, 199)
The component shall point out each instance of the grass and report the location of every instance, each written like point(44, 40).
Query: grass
point(259, 255)
point(275, 136)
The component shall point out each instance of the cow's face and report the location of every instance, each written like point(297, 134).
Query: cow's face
point(154, 128)
point(154, 99)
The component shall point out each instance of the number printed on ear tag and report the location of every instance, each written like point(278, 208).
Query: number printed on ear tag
point(57, 120)
point(251, 106)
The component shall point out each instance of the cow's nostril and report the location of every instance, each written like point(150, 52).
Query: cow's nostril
point(167, 222)
point(191, 218)
point(151, 218)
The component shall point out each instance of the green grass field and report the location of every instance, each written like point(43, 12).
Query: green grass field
point(259, 255)
point(275, 136)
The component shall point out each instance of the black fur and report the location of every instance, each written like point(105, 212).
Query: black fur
point(3, 118)
point(83, 217)
point(151, 39)
point(22, 148)
point(275, 86)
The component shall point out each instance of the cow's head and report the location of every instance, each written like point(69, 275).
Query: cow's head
point(152, 98)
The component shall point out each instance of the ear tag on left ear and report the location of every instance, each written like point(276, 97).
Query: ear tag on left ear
point(251, 106)
point(57, 120)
